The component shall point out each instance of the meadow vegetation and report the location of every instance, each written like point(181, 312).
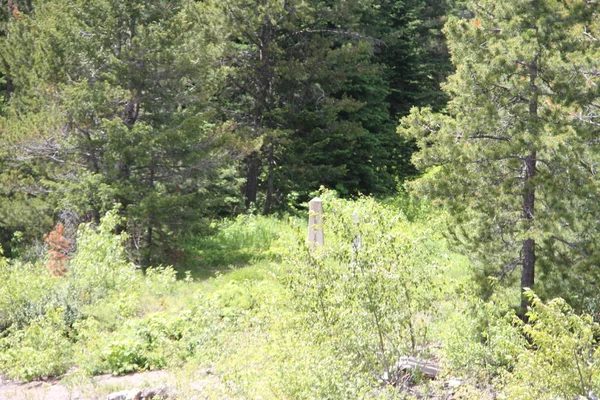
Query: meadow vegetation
point(274, 318)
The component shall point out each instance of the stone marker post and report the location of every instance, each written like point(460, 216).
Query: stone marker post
point(357, 243)
point(315, 222)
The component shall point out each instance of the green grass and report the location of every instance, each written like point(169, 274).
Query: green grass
point(234, 244)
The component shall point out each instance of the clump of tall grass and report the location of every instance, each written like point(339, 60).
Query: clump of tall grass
point(234, 243)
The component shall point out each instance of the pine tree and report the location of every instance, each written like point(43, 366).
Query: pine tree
point(110, 105)
point(517, 151)
point(413, 50)
point(311, 99)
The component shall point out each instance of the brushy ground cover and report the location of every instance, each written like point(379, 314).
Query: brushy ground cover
point(274, 318)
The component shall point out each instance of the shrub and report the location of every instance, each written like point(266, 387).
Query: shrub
point(125, 356)
point(38, 350)
point(100, 265)
point(235, 242)
point(25, 292)
point(562, 358)
point(58, 251)
point(479, 339)
point(38, 311)
point(372, 288)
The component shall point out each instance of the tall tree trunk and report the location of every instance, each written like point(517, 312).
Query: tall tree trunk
point(9, 89)
point(252, 171)
point(150, 232)
point(270, 188)
point(264, 80)
point(528, 272)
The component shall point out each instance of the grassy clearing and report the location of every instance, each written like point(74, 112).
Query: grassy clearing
point(236, 243)
point(273, 320)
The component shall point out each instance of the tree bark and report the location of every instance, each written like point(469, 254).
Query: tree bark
point(252, 171)
point(9, 89)
point(264, 75)
point(150, 232)
point(528, 272)
point(270, 183)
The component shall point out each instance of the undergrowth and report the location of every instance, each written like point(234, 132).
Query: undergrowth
point(276, 318)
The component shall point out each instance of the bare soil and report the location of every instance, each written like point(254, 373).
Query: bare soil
point(99, 387)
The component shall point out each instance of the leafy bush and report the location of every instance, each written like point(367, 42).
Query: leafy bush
point(479, 339)
point(100, 265)
point(552, 356)
point(561, 359)
point(38, 350)
point(233, 298)
point(325, 322)
point(235, 243)
point(372, 288)
point(24, 294)
point(38, 311)
point(125, 356)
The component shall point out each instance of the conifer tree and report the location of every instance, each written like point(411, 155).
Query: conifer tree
point(517, 150)
point(110, 106)
point(309, 95)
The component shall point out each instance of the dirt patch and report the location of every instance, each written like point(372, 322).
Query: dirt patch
point(98, 387)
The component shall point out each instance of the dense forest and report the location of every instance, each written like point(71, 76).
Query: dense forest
point(184, 111)
point(157, 158)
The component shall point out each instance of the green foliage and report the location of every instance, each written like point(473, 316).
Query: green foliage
point(99, 265)
point(414, 208)
point(149, 106)
point(39, 310)
point(551, 355)
point(309, 87)
point(120, 90)
point(39, 350)
point(511, 154)
point(561, 360)
point(480, 339)
point(371, 290)
point(413, 54)
point(298, 322)
point(233, 242)
point(125, 356)
point(24, 293)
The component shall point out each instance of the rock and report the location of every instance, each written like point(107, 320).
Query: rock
point(425, 367)
point(134, 394)
point(122, 395)
point(149, 394)
point(163, 392)
point(454, 383)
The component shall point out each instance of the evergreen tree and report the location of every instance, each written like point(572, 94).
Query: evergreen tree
point(134, 103)
point(413, 50)
point(517, 150)
point(306, 89)
point(111, 106)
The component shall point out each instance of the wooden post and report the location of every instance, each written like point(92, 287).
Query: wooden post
point(315, 222)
